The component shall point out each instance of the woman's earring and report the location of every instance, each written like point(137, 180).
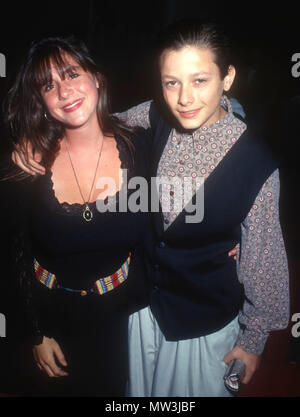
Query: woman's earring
point(46, 117)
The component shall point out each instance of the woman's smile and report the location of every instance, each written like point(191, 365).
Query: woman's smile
point(74, 105)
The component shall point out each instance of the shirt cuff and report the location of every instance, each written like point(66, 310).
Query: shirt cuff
point(252, 341)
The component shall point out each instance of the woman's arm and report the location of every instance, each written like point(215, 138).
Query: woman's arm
point(46, 351)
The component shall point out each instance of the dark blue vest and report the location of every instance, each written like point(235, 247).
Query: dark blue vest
point(195, 287)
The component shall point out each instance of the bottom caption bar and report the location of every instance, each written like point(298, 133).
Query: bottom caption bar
point(142, 405)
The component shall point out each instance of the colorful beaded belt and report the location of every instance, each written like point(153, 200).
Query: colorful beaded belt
point(101, 286)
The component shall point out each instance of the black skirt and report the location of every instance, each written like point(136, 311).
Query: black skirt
point(91, 331)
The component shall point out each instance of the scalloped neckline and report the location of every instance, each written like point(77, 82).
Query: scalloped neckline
point(65, 205)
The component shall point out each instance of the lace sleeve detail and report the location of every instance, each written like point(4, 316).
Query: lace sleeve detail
point(263, 270)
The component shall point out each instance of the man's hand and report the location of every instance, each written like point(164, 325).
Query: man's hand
point(28, 161)
point(233, 252)
point(250, 360)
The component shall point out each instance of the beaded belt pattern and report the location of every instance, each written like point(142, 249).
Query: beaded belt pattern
point(101, 286)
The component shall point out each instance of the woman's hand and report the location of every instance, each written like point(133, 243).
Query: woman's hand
point(250, 360)
point(47, 355)
point(27, 160)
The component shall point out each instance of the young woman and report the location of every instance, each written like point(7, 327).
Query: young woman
point(71, 259)
point(203, 312)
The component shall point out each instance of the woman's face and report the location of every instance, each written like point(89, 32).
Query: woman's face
point(192, 86)
point(72, 100)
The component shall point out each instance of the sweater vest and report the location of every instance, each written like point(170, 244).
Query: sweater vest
point(195, 287)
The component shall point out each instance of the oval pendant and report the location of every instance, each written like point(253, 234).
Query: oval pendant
point(87, 214)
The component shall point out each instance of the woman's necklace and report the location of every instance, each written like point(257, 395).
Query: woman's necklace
point(87, 212)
